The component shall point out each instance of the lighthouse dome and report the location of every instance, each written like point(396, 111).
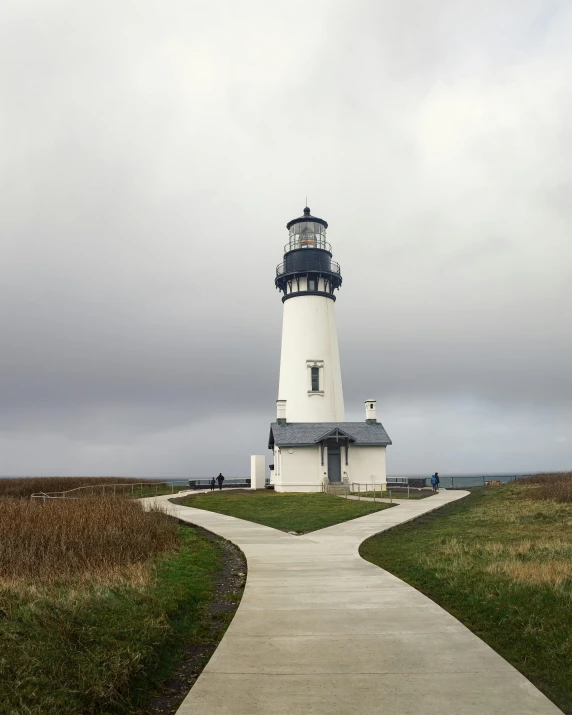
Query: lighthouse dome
point(307, 217)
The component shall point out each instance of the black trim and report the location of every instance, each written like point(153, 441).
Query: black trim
point(309, 292)
point(309, 259)
point(332, 281)
point(307, 248)
point(306, 217)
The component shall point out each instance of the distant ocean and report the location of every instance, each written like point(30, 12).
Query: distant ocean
point(447, 479)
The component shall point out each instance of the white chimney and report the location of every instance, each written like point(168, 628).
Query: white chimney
point(370, 410)
point(281, 412)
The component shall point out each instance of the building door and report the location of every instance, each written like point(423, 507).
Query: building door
point(334, 462)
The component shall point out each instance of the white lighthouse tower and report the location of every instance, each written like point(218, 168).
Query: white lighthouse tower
point(310, 376)
point(310, 439)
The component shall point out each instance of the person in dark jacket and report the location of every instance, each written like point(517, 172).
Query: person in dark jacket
point(213, 484)
point(435, 482)
point(220, 480)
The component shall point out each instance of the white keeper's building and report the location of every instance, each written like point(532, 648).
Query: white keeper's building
point(311, 441)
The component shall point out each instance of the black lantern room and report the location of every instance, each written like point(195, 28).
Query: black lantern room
point(308, 267)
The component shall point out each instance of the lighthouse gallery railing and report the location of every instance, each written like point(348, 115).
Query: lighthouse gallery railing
point(302, 267)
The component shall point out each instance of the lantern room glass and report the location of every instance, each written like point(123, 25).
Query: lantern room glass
point(307, 234)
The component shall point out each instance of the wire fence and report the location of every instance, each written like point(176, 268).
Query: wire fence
point(457, 481)
point(142, 489)
point(138, 489)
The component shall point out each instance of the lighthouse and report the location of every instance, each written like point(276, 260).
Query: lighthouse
point(312, 443)
point(310, 376)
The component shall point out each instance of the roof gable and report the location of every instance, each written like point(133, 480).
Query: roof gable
point(336, 433)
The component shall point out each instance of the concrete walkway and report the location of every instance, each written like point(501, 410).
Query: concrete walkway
point(320, 631)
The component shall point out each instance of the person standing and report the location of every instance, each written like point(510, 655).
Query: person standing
point(213, 484)
point(437, 481)
point(220, 480)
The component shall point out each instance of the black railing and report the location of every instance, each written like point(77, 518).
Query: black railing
point(229, 482)
point(298, 243)
point(457, 482)
point(290, 266)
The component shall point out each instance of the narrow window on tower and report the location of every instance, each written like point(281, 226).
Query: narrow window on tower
point(315, 379)
point(312, 284)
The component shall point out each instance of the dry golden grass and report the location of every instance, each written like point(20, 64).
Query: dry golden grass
point(64, 541)
point(553, 487)
point(552, 573)
point(535, 536)
point(23, 487)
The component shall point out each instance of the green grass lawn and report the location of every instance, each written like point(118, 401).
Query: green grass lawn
point(289, 512)
point(88, 649)
point(501, 562)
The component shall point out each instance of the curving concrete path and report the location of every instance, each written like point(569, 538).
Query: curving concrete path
point(320, 631)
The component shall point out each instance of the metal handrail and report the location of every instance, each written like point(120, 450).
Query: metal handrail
point(334, 268)
point(372, 487)
point(103, 487)
point(458, 481)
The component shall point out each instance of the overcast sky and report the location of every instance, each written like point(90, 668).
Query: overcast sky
point(151, 153)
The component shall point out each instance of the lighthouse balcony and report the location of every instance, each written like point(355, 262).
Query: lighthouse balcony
point(301, 281)
point(302, 264)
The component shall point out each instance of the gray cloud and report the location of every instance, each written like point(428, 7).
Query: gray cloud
point(151, 156)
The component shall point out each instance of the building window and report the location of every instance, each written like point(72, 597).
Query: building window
point(312, 284)
point(315, 379)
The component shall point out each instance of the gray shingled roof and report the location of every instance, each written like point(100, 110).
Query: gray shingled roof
point(309, 433)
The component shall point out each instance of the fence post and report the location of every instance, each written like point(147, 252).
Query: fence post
point(452, 482)
point(390, 497)
point(359, 491)
point(408, 490)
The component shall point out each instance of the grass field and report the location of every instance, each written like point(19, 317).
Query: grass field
point(16, 488)
point(98, 601)
point(289, 512)
point(500, 560)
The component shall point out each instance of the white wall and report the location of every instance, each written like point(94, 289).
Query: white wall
point(257, 471)
point(309, 332)
point(298, 471)
point(301, 470)
point(365, 465)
